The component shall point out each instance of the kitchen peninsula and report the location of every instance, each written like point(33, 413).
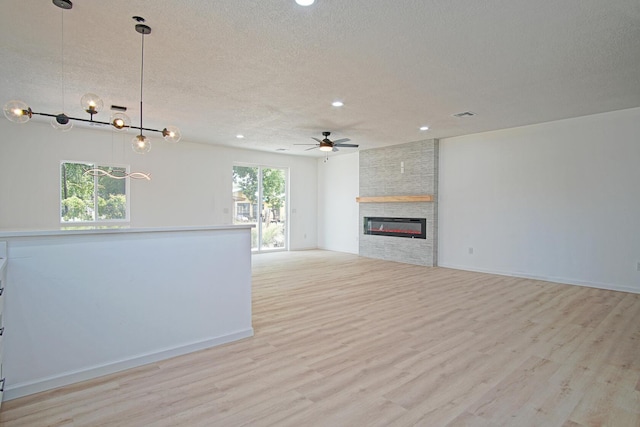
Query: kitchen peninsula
point(85, 303)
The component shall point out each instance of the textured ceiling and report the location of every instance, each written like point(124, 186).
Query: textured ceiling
point(270, 69)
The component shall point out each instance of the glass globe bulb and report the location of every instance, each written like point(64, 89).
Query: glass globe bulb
point(61, 122)
point(120, 122)
point(171, 134)
point(141, 144)
point(17, 111)
point(91, 103)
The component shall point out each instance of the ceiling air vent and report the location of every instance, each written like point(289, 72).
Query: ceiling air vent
point(118, 108)
point(464, 114)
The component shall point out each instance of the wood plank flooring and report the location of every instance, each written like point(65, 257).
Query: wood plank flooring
point(347, 341)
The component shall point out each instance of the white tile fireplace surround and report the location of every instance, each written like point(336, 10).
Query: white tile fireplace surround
point(395, 181)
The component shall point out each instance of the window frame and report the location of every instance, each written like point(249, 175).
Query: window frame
point(96, 221)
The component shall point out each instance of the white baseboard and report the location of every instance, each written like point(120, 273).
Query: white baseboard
point(342, 251)
point(561, 280)
point(19, 390)
point(304, 248)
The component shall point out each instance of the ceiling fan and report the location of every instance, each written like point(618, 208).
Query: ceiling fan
point(327, 145)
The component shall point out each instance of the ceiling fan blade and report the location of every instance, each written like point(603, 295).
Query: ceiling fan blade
point(312, 148)
point(340, 141)
point(316, 139)
point(307, 144)
point(346, 145)
point(335, 149)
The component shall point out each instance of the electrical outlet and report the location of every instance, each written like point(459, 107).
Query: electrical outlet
point(638, 266)
point(225, 210)
point(470, 251)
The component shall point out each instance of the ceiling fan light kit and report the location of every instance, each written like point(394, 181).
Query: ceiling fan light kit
point(327, 145)
point(324, 146)
point(19, 112)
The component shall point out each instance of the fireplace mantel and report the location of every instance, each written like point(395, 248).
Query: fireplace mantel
point(395, 199)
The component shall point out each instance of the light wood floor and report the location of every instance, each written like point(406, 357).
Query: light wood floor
point(348, 341)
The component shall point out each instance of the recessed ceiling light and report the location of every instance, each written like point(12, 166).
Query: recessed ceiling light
point(424, 128)
point(337, 103)
point(239, 136)
point(305, 2)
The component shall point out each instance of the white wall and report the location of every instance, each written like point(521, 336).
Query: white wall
point(558, 201)
point(338, 182)
point(191, 183)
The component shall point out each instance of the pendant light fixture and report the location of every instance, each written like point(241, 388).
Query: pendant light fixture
point(19, 112)
point(118, 175)
point(141, 143)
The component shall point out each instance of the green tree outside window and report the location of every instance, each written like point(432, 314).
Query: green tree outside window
point(86, 198)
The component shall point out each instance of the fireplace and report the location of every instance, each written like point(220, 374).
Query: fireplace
point(415, 228)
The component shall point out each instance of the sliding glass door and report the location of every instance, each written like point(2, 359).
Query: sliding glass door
point(259, 198)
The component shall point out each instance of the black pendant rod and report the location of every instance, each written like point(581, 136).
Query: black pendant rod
point(143, 30)
point(141, 79)
point(98, 122)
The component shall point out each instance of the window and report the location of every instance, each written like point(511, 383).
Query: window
point(260, 197)
point(87, 198)
point(243, 210)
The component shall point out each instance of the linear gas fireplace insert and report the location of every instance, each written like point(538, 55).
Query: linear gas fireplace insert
point(415, 228)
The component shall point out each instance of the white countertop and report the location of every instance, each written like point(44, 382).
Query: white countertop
point(120, 230)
